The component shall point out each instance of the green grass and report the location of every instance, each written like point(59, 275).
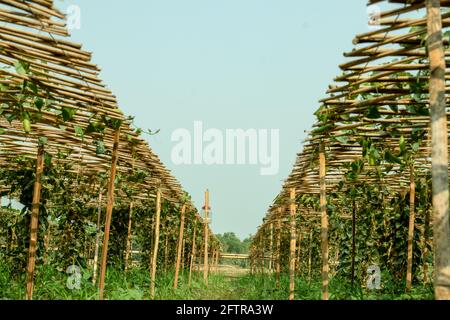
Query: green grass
point(258, 287)
point(51, 284)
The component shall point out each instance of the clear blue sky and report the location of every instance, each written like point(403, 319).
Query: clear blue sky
point(260, 64)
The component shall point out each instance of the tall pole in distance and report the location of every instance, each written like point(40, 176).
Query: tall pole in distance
point(205, 266)
point(439, 151)
point(155, 244)
point(293, 245)
point(180, 247)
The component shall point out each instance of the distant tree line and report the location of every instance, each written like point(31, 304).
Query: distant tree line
point(232, 244)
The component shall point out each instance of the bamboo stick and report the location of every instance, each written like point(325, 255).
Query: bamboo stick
point(324, 233)
point(271, 249)
point(155, 244)
point(292, 245)
point(180, 243)
point(34, 222)
point(109, 209)
point(353, 240)
point(129, 234)
point(97, 237)
point(310, 256)
point(191, 264)
point(205, 266)
point(278, 260)
point(439, 151)
point(412, 196)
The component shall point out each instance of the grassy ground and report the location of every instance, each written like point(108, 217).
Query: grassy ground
point(228, 284)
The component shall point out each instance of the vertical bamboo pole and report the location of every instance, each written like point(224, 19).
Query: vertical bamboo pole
point(412, 196)
point(34, 221)
point(271, 249)
point(324, 233)
point(299, 252)
point(155, 244)
point(293, 245)
point(205, 266)
point(109, 209)
point(278, 260)
point(166, 249)
point(183, 259)
point(97, 237)
point(426, 241)
point(353, 240)
point(213, 259)
point(193, 253)
point(310, 256)
point(261, 251)
point(130, 223)
point(217, 260)
point(129, 234)
point(180, 246)
point(439, 151)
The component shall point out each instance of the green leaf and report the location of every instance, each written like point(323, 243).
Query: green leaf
point(33, 87)
point(39, 103)
point(373, 113)
point(68, 113)
point(10, 118)
point(100, 147)
point(43, 141)
point(402, 145)
point(21, 67)
point(390, 158)
point(79, 131)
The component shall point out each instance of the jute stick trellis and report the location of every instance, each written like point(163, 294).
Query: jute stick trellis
point(378, 114)
point(39, 64)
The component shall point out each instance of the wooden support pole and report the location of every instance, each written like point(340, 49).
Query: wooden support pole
point(310, 256)
point(439, 132)
point(278, 259)
point(217, 260)
point(183, 259)
point(180, 247)
point(97, 237)
point(261, 251)
point(412, 197)
point(206, 235)
point(426, 240)
point(166, 248)
point(293, 245)
point(353, 241)
point(271, 249)
point(193, 254)
point(109, 209)
point(324, 222)
point(155, 244)
point(34, 221)
point(130, 222)
point(129, 234)
point(299, 252)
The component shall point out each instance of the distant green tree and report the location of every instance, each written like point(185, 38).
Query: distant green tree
point(232, 244)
